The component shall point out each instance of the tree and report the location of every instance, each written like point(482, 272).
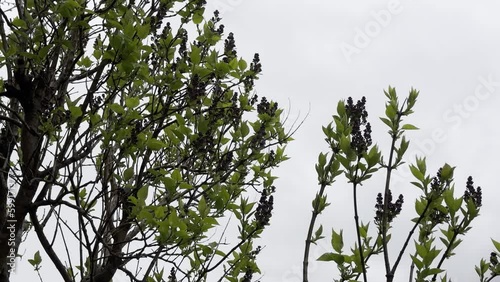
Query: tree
point(439, 213)
point(125, 143)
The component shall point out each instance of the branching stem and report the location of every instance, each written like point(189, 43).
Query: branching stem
point(356, 219)
point(315, 214)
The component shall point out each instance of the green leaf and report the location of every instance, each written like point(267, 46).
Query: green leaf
point(242, 64)
point(447, 172)
point(155, 144)
point(484, 266)
point(97, 54)
point(478, 271)
point(233, 63)
point(387, 121)
point(128, 174)
point(117, 108)
point(322, 159)
point(445, 242)
point(373, 156)
point(418, 175)
point(421, 250)
point(421, 165)
point(197, 18)
point(496, 244)
point(244, 129)
point(37, 259)
point(169, 183)
point(172, 136)
point(82, 193)
point(176, 175)
point(409, 127)
point(142, 194)
point(418, 263)
point(363, 230)
point(345, 145)
point(202, 207)
point(195, 55)
point(403, 147)
point(142, 30)
point(337, 241)
point(85, 61)
point(76, 111)
point(222, 69)
point(341, 108)
point(339, 259)
point(433, 271)
point(419, 185)
point(116, 42)
point(318, 232)
point(132, 102)
point(390, 112)
point(452, 203)
point(430, 256)
point(420, 206)
point(19, 23)
point(210, 221)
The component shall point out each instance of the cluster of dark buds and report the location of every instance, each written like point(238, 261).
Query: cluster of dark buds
point(138, 127)
point(253, 100)
point(249, 272)
point(183, 35)
point(96, 102)
point(438, 217)
point(229, 48)
point(264, 209)
point(493, 259)
point(436, 185)
point(471, 193)
point(204, 144)
point(196, 89)
point(357, 114)
point(255, 68)
point(234, 112)
point(157, 20)
point(393, 208)
point(171, 277)
point(216, 20)
point(271, 157)
point(436, 182)
point(253, 254)
point(264, 107)
point(258, 140)
point(225, 161)
point(248, 276)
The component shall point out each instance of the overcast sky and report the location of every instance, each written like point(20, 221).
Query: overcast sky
point(317, 52)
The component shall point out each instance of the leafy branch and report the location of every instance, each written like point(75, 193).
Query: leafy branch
point(349, 139)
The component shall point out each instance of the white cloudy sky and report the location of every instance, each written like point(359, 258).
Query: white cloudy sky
point(445, 49)
point(449, 50)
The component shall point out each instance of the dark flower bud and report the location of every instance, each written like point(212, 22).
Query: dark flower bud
point(357, 114)
point(493, 259)
point(472, 193)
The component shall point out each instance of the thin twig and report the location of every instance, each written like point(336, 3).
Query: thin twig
point(356, 220)
point(315, 213)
